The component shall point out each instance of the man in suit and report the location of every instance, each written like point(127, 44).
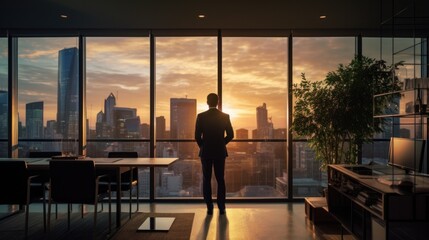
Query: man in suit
point(210, 129)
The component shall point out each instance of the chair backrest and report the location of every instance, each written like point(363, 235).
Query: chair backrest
point(123, 155)
point(73, 181)
point(13, 182)
point(43, 154)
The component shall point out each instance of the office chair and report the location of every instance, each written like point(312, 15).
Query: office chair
point(19, 187)
point(76, 182)
point(129, 179)
point(43, 176)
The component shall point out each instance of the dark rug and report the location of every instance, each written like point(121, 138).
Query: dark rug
point(180, 229)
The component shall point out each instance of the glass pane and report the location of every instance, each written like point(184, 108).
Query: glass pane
point(186, 71)
point(117, 91)
point(3, 97)
point(410, 52)
point(254, 94)
point(315, 57)
point(48, 94)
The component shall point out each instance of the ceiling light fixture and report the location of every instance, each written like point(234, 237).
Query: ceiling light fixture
point(63, 16)
point(201, 16)
point(322, 17)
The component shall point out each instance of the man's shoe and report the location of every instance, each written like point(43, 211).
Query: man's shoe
point(209, 211)
point(221, 211)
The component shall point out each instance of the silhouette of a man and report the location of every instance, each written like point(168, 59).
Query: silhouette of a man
point(213, 131)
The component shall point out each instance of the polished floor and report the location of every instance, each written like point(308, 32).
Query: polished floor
point(243, 221)
point(254, 221)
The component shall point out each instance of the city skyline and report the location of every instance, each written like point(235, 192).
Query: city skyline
point(113, 67)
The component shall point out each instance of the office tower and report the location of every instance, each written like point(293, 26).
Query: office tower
point(183, 113)
point(160, 127)
point(145, 131)
point(109, 105)
point(3, 114)
point(51, 126)
point(120, 115)
point(263, 125)
point(132, 127)
point(34, 120)
point(68, 93)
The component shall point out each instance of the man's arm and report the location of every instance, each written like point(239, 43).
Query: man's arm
point(198, 132)
point(229, 132)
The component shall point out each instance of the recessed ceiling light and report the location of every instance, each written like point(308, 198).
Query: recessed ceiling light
point(322, 17)
point(201, 16)
point(63, 16)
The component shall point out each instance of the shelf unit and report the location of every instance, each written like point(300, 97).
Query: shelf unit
point(369, 209)
point(366, 207)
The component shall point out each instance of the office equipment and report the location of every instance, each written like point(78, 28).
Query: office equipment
point(406, 153)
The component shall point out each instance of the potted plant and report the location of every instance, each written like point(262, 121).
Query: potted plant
point(336, 114)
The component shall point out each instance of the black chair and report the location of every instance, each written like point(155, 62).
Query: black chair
point(76, 182)
point(129, 179)
point(19, 187)
point(43, 176)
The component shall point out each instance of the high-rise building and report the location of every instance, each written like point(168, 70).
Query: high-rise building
point(68, 93)
point(109, 105)
point(120, 116)
point(34, 120)
point(263, 125)
point(160, 127)
point(183, 113)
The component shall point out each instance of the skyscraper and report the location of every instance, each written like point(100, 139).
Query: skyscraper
point(120, 117)
point(183, 113)
point(263, 126)
point(68, 98)
point(34, 120)
point(109, 105)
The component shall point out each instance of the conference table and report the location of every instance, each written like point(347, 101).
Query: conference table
point(116, 165)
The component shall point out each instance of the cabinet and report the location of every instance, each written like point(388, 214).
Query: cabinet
point(369, 209)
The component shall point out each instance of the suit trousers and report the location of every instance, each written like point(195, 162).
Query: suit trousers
point(218, 164)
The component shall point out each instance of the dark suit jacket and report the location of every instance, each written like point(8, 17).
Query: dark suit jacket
point(210, 131)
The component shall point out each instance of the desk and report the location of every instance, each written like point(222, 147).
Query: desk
point(119, 165)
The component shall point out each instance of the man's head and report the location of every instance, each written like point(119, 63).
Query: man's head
point(212, 99)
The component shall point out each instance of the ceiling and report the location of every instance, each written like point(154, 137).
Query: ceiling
point(295, 15)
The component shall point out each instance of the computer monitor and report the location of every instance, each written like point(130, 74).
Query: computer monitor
point(406, 153)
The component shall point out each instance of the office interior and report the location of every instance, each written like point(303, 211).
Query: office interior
point(88, 78)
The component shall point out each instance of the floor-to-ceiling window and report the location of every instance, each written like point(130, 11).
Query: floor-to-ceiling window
point(117, 97)
point(314, 57)
point(254, 83)
point(3, 97)
point(48, 96)
point(186, 71)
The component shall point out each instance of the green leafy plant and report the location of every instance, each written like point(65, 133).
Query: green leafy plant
point(336, 114)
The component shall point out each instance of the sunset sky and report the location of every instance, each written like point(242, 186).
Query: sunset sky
point(254, 72)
